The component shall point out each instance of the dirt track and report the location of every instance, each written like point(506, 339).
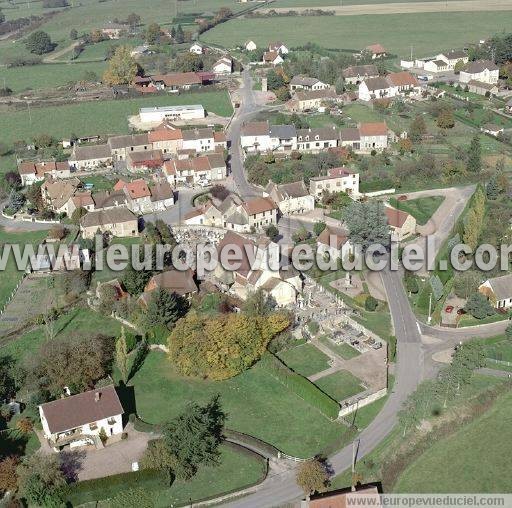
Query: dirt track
point(411, 8)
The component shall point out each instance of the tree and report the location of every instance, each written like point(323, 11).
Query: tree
point(180, 36)
point(222, 346)
point(40, 479)
point(73, 34)
point(2, 16)
point(122, 68)
point(319, 227)
point(411, 283)
point(16, 201)
point(194, 437)
point(475, 155)
point(107, 299)
point(164, 309)
point(25, 425)
point(12, 180)
point(258, 303)
point(459, 66)
point(466, 283)
point(7, 381)
point(478, 306)
point(300, 235)
point(121, 356)
point(153, 32)
point(312, 477)
point(135, 280)
point(39, 43)
point(474, 219)
point(492, 189)
point(274, 80)
point(158, 456)
point(405, 145)
point(272, 232)
point(370, 303)
point(508, 332)
point(367, 224)
point(417, 129)
point(8, 476)
point(445, 120)
point(77, 214)
point(133, 19)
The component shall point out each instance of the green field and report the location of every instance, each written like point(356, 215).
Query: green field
point(11, 275)
point(236, 471)
point(305, 359)
point(428, 32)
point(256, 404)
point(105, 117)
point(421, 209)
point(326, 3)
point(346, 351)
point(340, 385)
point(479, 457)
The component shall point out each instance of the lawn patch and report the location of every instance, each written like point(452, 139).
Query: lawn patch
point(305, 359)
point(421, 209)
point(340, 385)
point(346, 351)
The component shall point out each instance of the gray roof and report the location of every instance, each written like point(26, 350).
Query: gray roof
point(290, 190)
point(350, 134)
point(440, 63)
point(103, 217)
point(106, 199)
point(304, 81)
point(323, 133)
point(283, 131)
point(191, 134)
point(453, 54)
point(128, 140)
point(161, 191)
point(377, 83)
point(479, 66)
point(502, 286)
point(237, 218)
point(81, 153)
point(360, 70)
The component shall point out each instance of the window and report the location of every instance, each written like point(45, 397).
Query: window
point(112, 421)
point(93, 426)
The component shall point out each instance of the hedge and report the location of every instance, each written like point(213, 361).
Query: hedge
point(302, 387)
point(109, 486)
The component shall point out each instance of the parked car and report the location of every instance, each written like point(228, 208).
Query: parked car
point(449, 309)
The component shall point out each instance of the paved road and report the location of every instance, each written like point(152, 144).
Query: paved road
point(20, 226)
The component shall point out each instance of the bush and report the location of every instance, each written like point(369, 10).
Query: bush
point(313, 327)
point(371, 303)
point(302, 387)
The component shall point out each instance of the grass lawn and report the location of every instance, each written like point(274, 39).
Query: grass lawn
point(305, 359)
point(99, 182)
point(479, 457)
point(256, 404)
point(430, 32)
point(11, 275)
point(34, 77)
point(340, 385)
point(334, 3)
point(103, 117)
point(469, 320)
point(421, 209)
point(345, 350)
point(75, 323)
point(236, 471)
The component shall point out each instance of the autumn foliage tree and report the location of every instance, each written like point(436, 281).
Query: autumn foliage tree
point(8, 476)
point(122, 68)
point(312, 477)
point(224, 346)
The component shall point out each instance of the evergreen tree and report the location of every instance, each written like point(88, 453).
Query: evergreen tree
point(121, 356)
point(475, 155)
point(164, 309)
point(180, 36)
point(492, 188)
point(367, 224)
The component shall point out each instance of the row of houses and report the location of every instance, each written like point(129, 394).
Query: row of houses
point(264, 137)
point(393, 85)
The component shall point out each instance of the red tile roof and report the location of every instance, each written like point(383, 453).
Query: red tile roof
point(258, 205)
point(136, 189)
point(403, 78)
point(373, 129)
point(396, 218)
point(164, 134)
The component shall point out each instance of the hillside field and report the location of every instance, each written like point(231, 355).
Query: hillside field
point(428, 33)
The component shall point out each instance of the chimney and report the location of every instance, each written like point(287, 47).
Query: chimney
point(97, 396)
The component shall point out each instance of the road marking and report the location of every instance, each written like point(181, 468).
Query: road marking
point(419, 327)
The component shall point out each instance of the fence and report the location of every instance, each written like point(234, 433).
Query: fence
point(361, 402)
point(500, 362)
point(13, 294)
point(374, 194)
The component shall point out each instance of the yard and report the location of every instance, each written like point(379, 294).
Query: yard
point(421, 209)
point(430, 32)
point(340, 385)
point(235, 471)
point(305, 359)
point(480, 453)
point(346, 351)
point(91, 118)
point(255, 401)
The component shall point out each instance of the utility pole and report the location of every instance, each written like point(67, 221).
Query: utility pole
point(29, 113)
point(430, 308)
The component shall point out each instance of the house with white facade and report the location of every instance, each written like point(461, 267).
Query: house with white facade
point(376, 51)
point(452, 58)
point(255, 137)
point(336, 180)
point(250, 46)
point(90, 157)
point(290, 197)
point(278, 47)
point(484, 71)
point(223, 65)
point(354, 74)
point(171, 113)
point(334, 243)
point(307, 83)
point(272, 58)
point(373, 136)
point(499, 291)
point(196, 170)
point(32, 172)
point(317, 139)
point(436, 66)
point(401, 224)
point(77, 420)
point(196, 49)
point(375, 88)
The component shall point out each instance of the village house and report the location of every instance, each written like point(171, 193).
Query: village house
point(199, 139)
point(121, 146)
point(255, 137)
point(195, 171)
point(250, 46)
point(492, 129)
point(309, 100)
point(81, 199)
point(290, 197)
point(272, 58)
point(436, 66)
point(139, 196)
point(57, 193)
point(373, 136)
point(196, 49)
point(480, 88)
point(223, 66)
point(32, 172)
point(484, 71)
point(354, 74)
point(334, 243)
point(260, 213)
point(176, 81)
point(403, 82)
point(85, 158)
point(375, 88)
point(180, 282)
point(77, 420)
point(376, 51)
point(140, 51)
point(401, 224)
point(336, 180)
point(114, 30)
point(350, 138)
point(315, 140)
point(307, 83)
point(499, 291)
point(452, 58)
point(119, 222)
point(107, 200)
point(283, 138)
point(166, 138)
point(278, 47)
point(144, 161)
point(171, 113)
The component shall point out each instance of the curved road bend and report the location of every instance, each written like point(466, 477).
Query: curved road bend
point(282, 488)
